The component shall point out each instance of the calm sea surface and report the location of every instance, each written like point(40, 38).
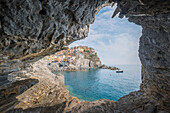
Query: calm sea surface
point(102, 83)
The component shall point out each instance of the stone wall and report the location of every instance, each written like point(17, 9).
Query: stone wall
point(31, 29)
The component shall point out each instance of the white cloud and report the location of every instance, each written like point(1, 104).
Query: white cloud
point(122, 51)
point(116, 41)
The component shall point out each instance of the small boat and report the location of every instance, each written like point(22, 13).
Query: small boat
point(119, 71)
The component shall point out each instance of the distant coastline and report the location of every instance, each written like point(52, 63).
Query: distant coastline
point(78, 58)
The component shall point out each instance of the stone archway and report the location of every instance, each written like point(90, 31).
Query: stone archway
point(34, 28)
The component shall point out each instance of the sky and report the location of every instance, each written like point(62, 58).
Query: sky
point(115, 40)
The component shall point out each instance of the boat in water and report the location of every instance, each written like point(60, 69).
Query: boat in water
point(119, 71)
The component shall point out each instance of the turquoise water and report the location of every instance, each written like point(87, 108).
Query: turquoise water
point(102, 83)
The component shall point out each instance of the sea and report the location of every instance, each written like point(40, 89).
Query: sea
point(95, 84)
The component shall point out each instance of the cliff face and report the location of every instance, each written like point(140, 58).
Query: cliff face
point(31, 29)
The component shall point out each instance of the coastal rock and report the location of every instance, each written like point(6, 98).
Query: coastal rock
point(49, 92)
point(9, 93)
point(31, 29)
point(108, 67)
point(83, 63)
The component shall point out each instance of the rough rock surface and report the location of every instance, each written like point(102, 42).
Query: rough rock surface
point(34, 28)
point(31, 29)
point(47, 91)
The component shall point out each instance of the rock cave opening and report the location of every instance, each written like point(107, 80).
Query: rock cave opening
point(116, 42)
point(33, 29)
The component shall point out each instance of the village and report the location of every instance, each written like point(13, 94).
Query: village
point(74, 57)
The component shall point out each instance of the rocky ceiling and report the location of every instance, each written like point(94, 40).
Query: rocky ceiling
point(31, 29)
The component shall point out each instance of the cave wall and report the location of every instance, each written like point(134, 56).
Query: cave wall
point(154, 53)
point(31, 29)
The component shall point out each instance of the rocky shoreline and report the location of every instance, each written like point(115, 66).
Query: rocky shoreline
point(108, 67)
point(54, 67)
point(45, 92)
point(39, 88)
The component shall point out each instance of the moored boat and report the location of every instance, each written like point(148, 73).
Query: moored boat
point(119, 71)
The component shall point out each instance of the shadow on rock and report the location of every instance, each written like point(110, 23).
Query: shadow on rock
point(9, 92)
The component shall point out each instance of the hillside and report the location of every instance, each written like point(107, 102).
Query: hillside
point(72, 59)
